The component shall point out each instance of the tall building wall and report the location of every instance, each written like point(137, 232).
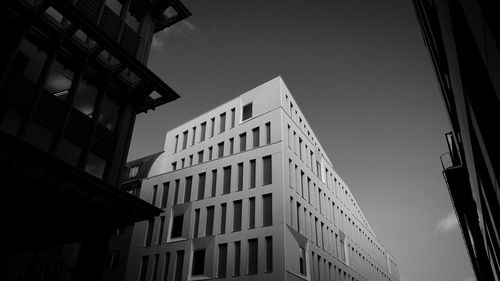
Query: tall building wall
point(257, 197)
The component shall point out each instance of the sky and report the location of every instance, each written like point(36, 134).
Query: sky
point(361, 74)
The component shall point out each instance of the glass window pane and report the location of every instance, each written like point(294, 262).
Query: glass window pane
point(68, 152)
point(29, 61)
point(85, 98)
point(59, 80)
point(95, 165)
point(108, 113)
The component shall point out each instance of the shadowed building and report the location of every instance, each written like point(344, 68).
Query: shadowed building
point(463, 39)
point(249, 193)
point(73, 76)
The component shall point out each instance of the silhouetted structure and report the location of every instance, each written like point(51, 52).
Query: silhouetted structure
point(73, 76)
point(463, 40)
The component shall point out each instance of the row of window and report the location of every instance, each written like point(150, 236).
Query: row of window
point(297, 118)
point(246, 113)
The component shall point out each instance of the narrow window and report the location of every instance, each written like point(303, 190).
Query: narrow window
point(191, 160)
point(233, 117)
point(155, 192)
point(294, 143)
point(302, 261)
point(267, 170)
point(165, 266)
point(256, 136)
point(214, 183)
point(183, 162)
point(237, 257)
point(149, 233)
point(290, 142)
point(222, 122)
point(243, 142)
point(212, 131)
point(194, 136)
point(240, 176)
point(209, 228)
point(231, 146)
point(237, 215)
point(221, 269)
point(200, 156)
point(267, 209)
point(298, 217)
point(179, 265)
point(252, 173)
point(318, 169)
point(269, 253)
point(196, 222)
point(247, 112)
point(198, 262)
point(176, 143)
point(144, 268)
point(221, 149)
point(268, 132)
point(164, 199)
point(210, 153)
point(185, 139)
point(177, 224)
point(155, 267)
point(201, 185)
point(226, 188)
point(223, 218)
point(203, 131)
point(160, 231)
point(300, 148)
point(187, 191)
point(174, 166)
point(251, 219)
point(176, 192)
point(253, 256)
point(133, 171)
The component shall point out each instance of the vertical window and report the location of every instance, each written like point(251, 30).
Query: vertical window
point(267, 209)
point(251, 219)
point(198, 262)
point(252, 173)
point(200, 156)
point(155, 192)
point(233, 117)
point(267, 170)
point(240, 176)
point(256, 136)
point(185, 139)
point(247, 112)
point(318, 169)
point(196, 223)
point(269, 253)
point(166, 266)
point(174, 166)
point(268, 132)
point(155, 267)
point(237, 205)
point(59, 80)
point(214, 183)
point(201, 185)
point(212, 129)
point(290, 140)
point(237, 255)
point(294, 143)
point(243, 142)
point(194, 136)
point(221, 268)
point(231, 146)
point(226, 188)
point(160, 230)
point(187, 191)
point(221, 149)
point(176, 143)
point(253, 256)
point(209, 228)
point(191, 160)
point(223, 218)
point(183, 162)
point(312, 161)
point(176, 192)
point(133, 171)
point(177, 224)
point(164, 199)
point(144, 268)
point(210, 153)
point(149, 233)
point(298, 217)
point(179, 265)
point(302, 261)
point(300, 148)
point(29, 61)
point(222, 122)
point(203, 131)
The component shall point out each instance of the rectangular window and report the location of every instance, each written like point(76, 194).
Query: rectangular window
point(149, 233)
point(231, 146)
point(222, 122)
point(269, 253)
point(294, 143)
point(214, 183)
point(226, 188)
point(267, 170)
point(196, 222)
point(243, 142)
point(191, 160)
point(198, 262)
point(144, 268)
point(233, 117)
point(302, 261)
point(251, 219)
point(160, 230)
point(210, 153)
point(267, 209)
point(240, 176)
point(177, 224)
point(221, 149)
point(176, 192)
point(252, 173)
point(200, 156)
point(268, 132)
point(246, 112)
point(203, 131)
point(183, 162)
point(298, 217)
point(164, 199)
point(221, 268)
point(187, 191)
point(209, 228)
point(194, 136)
point(185, 139)
point(237, 205)
point(155, 192)
point(300, 148)
point(155, 267)
point(318, 169)
point(223, 218)
point(174, 166)
point(165, 266)
point(212, 130)
point(201, 185)
point(290, 141)
point(133, 171)
point(179, 265)
point(253, 256)
point(256, 137)
point(237, 257)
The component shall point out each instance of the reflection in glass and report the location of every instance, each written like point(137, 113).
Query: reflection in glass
point(29, 61)
point(95, 165)
point(109, 113)
point(59, 80)
point(85, 98)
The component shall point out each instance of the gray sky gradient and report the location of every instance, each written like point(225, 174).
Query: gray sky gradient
point(362, 77)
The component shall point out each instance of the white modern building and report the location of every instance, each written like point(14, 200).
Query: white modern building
point(248, 193)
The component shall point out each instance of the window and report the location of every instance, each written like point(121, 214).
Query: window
point(187, 191)
point(155, 266)
point(247, 112)
point(237, 205)
point(252, 173)
point(179, 265)
point(198, 262)
point(174, 166)
point(29, 61)
point(59, 80)
point(183, 162)
point(256, 136)
point(160, 231)
point(267, 170)
point(214, 183)
point(253, 256)
point(209, 227)
point(268, 132)
point(237, 256)
point(200, 156)
point(233, 117)
point(221, 272)
point(222, 122)
point(133, 171)
point(221, 149)
point(243, 142)
point(176, 143)
point(269, 253)
point(212, 129)
point(298, 217)
point(267, 209)
point(196, 222)
point(251, 219)
point(210, 153)
point(165, 266)
point(290, 140)
point(144, 268)
point(231, 146)
point(300, 148)
point(226, 188)
point(223, 218)
point(185, 139)
point(176, 192)
point(318, 169)
point(240, 176)
point(203, 131)
point(177, 224)
point(302, 261)
point(194, 136)
point(201, 185)
point(149, 233)
point(191, 160)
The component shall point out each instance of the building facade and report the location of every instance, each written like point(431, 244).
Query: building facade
point(73, 76)
point(463, 40)
point(249, 193)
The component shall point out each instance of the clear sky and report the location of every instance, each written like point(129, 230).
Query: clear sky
point(361, 75)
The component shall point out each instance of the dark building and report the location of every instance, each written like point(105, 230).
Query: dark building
point(73, 76)
point(463, 40)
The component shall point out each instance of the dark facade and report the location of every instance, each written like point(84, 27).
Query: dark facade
point(463, 40)
point(73, 76)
